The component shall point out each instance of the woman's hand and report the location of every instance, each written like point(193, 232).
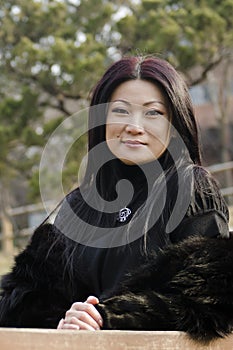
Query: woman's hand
point(82, 316)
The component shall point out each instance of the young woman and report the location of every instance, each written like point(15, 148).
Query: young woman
point(143, 243)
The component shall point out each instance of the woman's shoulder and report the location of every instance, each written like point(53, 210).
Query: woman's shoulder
point(71, 200)
point(73, 196)
point(206, 195)
point(207, 213)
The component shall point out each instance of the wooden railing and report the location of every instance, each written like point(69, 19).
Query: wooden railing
point(36, 339)
point(223, 167)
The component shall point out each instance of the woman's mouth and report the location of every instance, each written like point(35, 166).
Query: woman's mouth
point(133, 143)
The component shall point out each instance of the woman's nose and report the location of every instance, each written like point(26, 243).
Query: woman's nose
point(135, 127)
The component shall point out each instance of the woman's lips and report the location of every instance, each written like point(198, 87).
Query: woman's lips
point(133, 143)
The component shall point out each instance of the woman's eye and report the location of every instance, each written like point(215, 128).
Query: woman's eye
point(153, 113)
point(120, 111)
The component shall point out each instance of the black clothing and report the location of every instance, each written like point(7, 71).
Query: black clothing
point(187, 287)
point(54, 271)
point(105, 269)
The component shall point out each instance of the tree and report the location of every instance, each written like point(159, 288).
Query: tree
point(197, 37)
point(184, 32)
point(14, 115)
point(52, 46)
point(53, 52)
point(221, 93)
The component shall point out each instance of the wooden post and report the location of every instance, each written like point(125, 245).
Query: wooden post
point(7, 234)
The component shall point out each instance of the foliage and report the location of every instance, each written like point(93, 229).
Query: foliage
point(190, 34)
point(53, 52)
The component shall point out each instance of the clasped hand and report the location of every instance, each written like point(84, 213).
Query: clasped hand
point(82, 316)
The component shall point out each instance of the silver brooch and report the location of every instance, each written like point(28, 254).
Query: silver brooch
point(123, 214)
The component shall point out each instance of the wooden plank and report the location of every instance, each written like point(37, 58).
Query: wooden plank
point(220, 167)
point(37, 339)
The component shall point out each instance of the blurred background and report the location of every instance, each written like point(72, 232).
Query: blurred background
point(52, 52)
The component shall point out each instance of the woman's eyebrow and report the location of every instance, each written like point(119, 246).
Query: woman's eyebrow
point(144, 104)
point(119, 100)
point(153, 101)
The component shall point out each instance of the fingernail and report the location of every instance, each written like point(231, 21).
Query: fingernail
point(100, 322)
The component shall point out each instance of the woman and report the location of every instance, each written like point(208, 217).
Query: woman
point(144, 241)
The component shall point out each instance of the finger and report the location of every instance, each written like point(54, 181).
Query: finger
point(82, 325)
point(89, 309)
point(63, 325)
point(92, 300)
point(60, 324)
point(84, 317)
point(70, 326)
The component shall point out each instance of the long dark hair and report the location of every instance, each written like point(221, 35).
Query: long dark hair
point(161, 73)
point(172, 85)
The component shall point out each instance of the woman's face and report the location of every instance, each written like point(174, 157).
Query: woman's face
point(137, 127)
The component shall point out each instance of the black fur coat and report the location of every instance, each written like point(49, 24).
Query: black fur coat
point(187, 287)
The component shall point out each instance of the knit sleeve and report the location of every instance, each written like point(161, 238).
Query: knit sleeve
point(207, 214)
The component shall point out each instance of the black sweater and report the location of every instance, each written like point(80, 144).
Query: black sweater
point(179, 283)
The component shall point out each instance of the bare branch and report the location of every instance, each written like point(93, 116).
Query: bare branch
point(204, 73)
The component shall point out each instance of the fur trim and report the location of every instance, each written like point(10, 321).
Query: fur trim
point(33, 293)
point(187, 287)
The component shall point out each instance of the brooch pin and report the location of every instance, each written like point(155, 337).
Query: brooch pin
point(123, 214)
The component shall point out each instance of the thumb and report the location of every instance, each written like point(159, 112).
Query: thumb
point(92, 300)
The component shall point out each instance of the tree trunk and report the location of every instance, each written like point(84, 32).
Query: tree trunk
point(220, 96)
point(7, 236)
